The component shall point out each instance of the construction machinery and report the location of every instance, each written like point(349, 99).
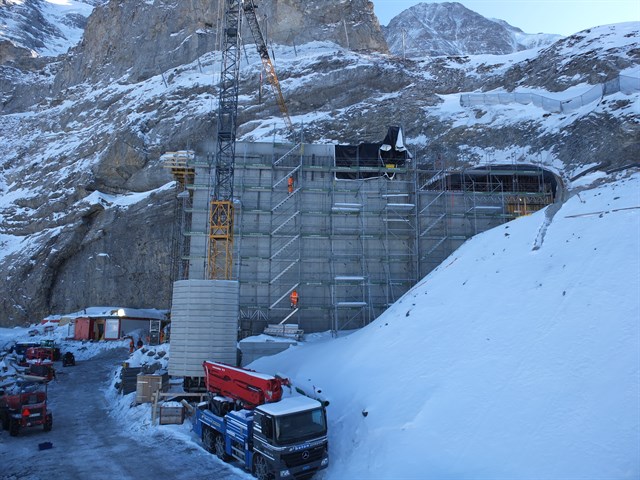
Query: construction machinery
point(220, 255)
point(68, 360)
point(45, 351)
point(205, 298)
point(247, 419)
point(25, 406)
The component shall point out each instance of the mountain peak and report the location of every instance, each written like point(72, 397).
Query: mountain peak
point(450, 28)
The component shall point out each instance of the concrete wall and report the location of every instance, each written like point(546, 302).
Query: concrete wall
point(328, 239)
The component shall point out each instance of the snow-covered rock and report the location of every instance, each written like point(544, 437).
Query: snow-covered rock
point(434, 29)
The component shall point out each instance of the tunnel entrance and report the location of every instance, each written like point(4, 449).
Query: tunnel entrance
point(507, 190)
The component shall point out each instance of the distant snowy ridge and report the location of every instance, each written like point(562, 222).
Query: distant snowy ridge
point(46, 27)
point(433, 29)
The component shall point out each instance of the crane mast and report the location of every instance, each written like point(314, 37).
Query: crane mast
point(221, 210)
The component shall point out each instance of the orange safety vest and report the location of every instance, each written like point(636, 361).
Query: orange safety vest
point(294, 297)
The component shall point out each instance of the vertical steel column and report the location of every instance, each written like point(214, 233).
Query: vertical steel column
point(220, 251)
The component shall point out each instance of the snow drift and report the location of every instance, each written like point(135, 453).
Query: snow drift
point(518, 357)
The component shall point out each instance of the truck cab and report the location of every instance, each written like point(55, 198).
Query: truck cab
point(25, 406)
point(290, 438)
point(284, 440)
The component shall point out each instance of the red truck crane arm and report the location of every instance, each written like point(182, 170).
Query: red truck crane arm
point(248, 387)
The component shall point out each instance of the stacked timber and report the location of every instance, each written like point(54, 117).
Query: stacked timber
point(128, 379)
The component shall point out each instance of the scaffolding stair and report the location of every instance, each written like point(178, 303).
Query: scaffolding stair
point(430, 204)
point(272, 306)
point(295, 147)
point(284, 320)
point(287, 198)
point(287, 176)
point(433, 224)
point(279, 227)
point(433, 249)
point(284, 247)
point(291, 265)
point(439, 176)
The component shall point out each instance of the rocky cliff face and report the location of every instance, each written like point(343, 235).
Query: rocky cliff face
point(133, 41)
point(87, 210)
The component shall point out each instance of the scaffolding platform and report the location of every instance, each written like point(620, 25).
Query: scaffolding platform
point(290, 330)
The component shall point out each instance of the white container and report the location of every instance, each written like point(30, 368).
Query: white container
point(204, 325)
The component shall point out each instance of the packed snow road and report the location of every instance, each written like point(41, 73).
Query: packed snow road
point(88, 443)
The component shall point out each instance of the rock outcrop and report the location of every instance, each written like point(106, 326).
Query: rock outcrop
point(132, 41)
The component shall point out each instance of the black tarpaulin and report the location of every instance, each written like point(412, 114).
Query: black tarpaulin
point(390, 153)
point(392, 150)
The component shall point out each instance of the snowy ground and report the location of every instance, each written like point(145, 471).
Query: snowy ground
point(517, 358)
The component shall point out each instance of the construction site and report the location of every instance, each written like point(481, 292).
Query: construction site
point(291, 238)
point(350, 235)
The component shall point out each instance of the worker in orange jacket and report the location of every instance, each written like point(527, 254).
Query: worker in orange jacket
point(294, 299)
point(290, 185)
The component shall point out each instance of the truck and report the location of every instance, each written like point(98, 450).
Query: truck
point(246, 418)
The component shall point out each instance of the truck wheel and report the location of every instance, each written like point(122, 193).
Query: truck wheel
point(261, 469)
point(218, 445)
point(48, 422)
point(207, 439)
point(14, 427)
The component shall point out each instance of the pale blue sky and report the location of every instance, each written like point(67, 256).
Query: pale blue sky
point(563, 17)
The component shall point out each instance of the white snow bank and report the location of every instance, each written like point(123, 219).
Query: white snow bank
point(503, 363)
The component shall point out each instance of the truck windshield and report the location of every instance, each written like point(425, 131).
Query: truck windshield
point(300, 426)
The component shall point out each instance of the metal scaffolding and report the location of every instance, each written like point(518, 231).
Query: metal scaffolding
point(350, 289)
point(400, 237)
point(284, 248)
point(349, 240)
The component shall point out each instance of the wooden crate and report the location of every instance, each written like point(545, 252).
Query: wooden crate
point(147, 385)
point(172, 414)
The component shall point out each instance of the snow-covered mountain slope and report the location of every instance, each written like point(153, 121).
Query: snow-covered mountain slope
point(432, 29)
point(46, 27)
point(64, 138)
point(518, 357)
